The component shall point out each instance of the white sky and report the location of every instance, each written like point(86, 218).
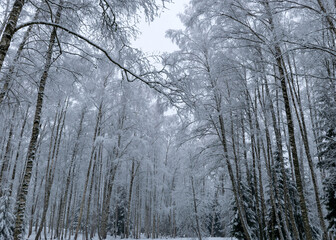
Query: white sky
point(153, 38)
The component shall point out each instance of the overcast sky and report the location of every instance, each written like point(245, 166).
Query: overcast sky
point(153, 38)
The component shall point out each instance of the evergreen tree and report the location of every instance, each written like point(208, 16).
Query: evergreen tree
point(278, 184)
point(279, 198)
point(327, 114)
point(117, 217)
point(250, 210)
point(214, 223)
point(7, 217)
point(331, 206)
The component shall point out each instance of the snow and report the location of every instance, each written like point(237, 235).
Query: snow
point(80, 237)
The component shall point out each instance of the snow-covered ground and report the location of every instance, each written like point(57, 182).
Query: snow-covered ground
point(32, 237)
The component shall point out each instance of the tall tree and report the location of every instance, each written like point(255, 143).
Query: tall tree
point(22, 195)
point(7, 35)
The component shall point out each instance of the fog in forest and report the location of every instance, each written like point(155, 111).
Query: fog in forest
point(225, 129)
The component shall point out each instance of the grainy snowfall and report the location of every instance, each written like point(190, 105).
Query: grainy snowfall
point(168, 119)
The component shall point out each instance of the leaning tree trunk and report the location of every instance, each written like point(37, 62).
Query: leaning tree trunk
point(18, 152)
point(268, 154)
point(303, 130)
point(10, 29)
point(220, 131)
point(5, 162)
point(35, 201)
point(4, 19)
point(328, 17)
point(235, 187)
point(9, 75)
point(290, 126)
point(291, 133)
point(278, 140)
point(22, 194)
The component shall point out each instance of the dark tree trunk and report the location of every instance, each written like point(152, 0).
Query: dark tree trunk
point(9, 29)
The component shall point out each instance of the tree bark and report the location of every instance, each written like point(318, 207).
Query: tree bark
point(22, 195)
point(237, 196)
point(93, 174)
point(9, 75)
point(303, 130)
point(290, 125)
point(18, 151)
point(99, 116)
point(220, 131)
point(5, 162)
point(68, 179)
point(110, 181)
point(327, 16)
point(51, 167)
point(133, 173)
point(4, 20)
point(10, 29)
point(291, 133)
point(199, 235)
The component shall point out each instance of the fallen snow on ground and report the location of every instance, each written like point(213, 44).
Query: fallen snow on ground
point(32, 237)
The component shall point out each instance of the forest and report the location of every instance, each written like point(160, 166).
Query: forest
point(232, 135)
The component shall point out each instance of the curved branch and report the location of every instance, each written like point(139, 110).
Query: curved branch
point(149, 83)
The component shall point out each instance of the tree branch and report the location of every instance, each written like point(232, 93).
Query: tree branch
point(126, 70)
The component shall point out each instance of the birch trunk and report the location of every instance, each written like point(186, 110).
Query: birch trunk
point(99, 116)
point(93, 174)
point(51, 168)
point(4, 20)
point(67, 185)
point(220, 131)
point(22, 195)
point(9, 75)
point(18, 151)
point(8, 33)
point(5, 162)
point(110, 181)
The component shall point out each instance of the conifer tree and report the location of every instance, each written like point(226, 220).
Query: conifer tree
point(249, 207)
point(272, 227)
point(7, 217)
point(327, 114)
